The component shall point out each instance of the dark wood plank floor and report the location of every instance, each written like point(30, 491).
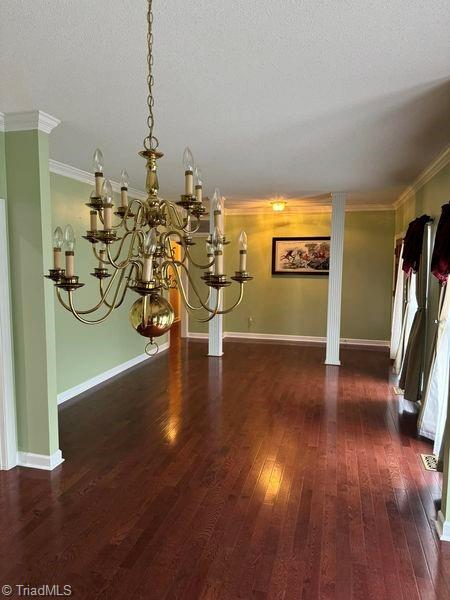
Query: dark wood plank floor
point(261, 475)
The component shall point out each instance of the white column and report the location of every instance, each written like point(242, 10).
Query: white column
point(215, 330)
point(335, 279)
point(215, 326)
point(8, 436)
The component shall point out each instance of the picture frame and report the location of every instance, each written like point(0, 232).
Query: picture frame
point(301, 255)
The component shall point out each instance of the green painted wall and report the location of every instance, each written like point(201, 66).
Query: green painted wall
point(29, 218)
point(297, 305)
point(277, 304)
point(2, 166)
point(84, 351)
point(368, 275)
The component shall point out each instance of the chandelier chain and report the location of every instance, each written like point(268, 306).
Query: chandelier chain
point(150, 142)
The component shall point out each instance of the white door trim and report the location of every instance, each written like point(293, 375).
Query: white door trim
point(184, 315)
point(8, 434)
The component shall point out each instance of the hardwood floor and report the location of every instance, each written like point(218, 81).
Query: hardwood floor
point(261, 475)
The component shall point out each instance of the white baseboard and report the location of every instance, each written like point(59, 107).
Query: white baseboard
point(443, 527)
point(197, 336)
point(39, 461)
point(360, 342)
point(277, 337)
point(291, 338)
point(102, 377)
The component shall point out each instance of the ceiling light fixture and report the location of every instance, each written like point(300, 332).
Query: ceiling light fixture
point(138, 247)
point(278, 205)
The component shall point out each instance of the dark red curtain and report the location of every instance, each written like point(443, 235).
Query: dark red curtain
point(440, 261)
point(412, 249)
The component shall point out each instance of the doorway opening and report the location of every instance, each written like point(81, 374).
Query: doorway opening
point(175, 301)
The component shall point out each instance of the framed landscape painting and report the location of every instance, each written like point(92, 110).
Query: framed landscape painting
point(301, 256)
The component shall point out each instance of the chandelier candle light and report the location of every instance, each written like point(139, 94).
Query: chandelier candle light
point(133, 246)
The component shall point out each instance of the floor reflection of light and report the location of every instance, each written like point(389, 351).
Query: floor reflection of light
point(171, 432)
point(270, 480)
point(174, 409)
point(214, 377)
point(215, 391)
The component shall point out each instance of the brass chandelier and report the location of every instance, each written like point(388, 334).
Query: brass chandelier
point(136, 253)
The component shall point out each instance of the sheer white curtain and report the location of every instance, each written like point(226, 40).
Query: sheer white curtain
point(397, 308)
point(434, 409)
point(408, 318)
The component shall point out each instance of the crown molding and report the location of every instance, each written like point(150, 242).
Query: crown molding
point(425, 176)
point(33, 119)
point(439, 163)
point(59, 168)
point(306, 208)
point(2, 121)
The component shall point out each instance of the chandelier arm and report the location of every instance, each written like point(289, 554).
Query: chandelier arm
point(163, 278)
point(119, 283)
point(214, 312)
point(186, 250)
point(218, 312)
point(124, 264)
point(165, 281)
point(196, 227)
point(196, 292)
point(94, 308)
point(166, 242)
point(181, 222)
point(238, 301)
point(133, 232)
point(203, 267)
point(104, 261)
point(123, 220)
point(125, 287)
point(78, 316)
point(136, 216)
point(182, 290)
point(226, 311)
point(171, 206)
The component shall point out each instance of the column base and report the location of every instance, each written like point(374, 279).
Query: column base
point(336, 363)
point(39, 461)
point(443, 527)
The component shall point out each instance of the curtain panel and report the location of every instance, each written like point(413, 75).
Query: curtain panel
point(440, 261)
point(397, 309)
point(409, 311)
point(433, 416)
point(416, 259)
point(413, 246)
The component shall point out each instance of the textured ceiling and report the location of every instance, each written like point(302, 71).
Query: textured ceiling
point(288, 97)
